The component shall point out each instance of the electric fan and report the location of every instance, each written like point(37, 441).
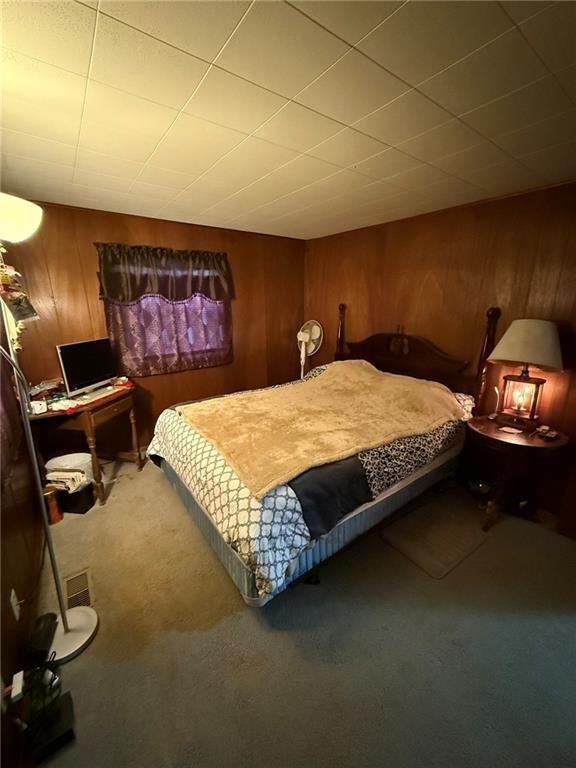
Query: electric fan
point(310, 338)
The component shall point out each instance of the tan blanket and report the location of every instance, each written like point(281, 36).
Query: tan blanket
point(272, 435)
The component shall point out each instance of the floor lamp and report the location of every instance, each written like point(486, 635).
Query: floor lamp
point(76, 627)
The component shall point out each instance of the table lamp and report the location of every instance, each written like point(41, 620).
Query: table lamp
point(19, 220)
point(526, 342)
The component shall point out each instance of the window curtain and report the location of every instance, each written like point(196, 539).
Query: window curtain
point(166, 310)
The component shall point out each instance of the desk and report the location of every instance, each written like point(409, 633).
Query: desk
point(86, 418)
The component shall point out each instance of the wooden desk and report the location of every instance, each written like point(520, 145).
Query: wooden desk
point(86, 418)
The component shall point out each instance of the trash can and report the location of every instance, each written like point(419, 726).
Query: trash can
point(81, 499)
point(80, 461)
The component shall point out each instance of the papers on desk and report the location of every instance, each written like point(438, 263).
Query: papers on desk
point(63, 405)
point(67, 479)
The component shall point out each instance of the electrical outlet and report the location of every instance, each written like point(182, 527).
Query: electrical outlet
point(15, 603)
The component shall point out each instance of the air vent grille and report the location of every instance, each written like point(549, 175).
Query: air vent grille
point(78, 590)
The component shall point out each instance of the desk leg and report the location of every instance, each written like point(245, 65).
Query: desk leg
point(135, 446)
point(91, 440)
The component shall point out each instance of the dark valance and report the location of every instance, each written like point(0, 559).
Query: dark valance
point(128, 272)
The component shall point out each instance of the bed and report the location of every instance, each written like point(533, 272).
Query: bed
point(268, 539)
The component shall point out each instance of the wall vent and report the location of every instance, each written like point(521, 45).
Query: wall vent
point(78, 590)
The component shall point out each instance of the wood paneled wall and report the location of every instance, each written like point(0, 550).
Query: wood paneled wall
point(60, 264)
point(437, 274)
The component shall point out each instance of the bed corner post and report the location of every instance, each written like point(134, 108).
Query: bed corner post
point(341, 331)
point(492, 317)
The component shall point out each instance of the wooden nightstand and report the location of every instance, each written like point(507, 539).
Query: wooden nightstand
point(512, 463)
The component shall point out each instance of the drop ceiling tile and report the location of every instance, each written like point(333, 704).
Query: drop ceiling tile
point(27, 168)
point(496, 69)
point(193, 145)
point(452, 192)
point(164, 178)
point(107, 164)
point(118, 123)
point(556, 130)
point(25, 145)
point(553, 35)
point(419, 177)
point(101, 181)
point(471, 159)
point(134, 62)
point(555, 164)
point(423, 38)
point(446, 139)
point(125, 143)
point(351, 88)
point(531, 104)
point(151, 209)
point(174, 212)
point(349, 20)
point(279, 48)
point(325, 190)
point(143, 190)
point(58, 33)
point(296, 174)
point(198, 197)
point(233, 102)
point(407, 116)
point(386, 164)
point(567, 78)
point(200, 28)
point(504, 178)
point(375, 190)
point(297, 128)
point(247, 163)
point(40, 99)
point(520, 10)
point(347, 148)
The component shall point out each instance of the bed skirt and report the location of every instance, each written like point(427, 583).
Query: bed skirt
point(348, 529)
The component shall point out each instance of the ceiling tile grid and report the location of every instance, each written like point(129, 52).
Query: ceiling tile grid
point(309, 115)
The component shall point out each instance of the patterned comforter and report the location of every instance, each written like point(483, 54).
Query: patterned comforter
point(270, 533)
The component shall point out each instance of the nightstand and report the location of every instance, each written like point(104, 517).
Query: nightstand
point(511, 463)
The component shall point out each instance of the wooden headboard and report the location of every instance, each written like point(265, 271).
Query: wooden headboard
point(414, 356)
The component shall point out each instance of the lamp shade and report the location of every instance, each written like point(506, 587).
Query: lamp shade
point(534, 342)
point(19, 218)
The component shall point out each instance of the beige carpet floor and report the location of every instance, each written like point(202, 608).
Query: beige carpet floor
point(378, 665)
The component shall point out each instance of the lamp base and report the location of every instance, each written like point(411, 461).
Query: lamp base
point(82, 625)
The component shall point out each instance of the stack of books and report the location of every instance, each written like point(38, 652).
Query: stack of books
point(67, 479)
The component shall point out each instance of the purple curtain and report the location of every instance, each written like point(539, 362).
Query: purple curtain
point(154, 335)
point(166, 310)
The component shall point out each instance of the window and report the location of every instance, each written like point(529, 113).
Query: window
point(166, 310)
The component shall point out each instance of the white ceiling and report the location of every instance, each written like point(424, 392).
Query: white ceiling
point(299, 119)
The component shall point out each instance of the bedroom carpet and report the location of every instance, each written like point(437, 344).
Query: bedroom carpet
point(378, 665)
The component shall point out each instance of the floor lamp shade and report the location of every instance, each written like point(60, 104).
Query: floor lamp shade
point(19, 218)
point(530, 342)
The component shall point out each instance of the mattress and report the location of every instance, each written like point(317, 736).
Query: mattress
point(344, 533)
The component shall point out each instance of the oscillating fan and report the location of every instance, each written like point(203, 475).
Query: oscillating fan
point(310, 338)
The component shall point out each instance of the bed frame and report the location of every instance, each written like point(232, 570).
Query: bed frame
point(414, 356)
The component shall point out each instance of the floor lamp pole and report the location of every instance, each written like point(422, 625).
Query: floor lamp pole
point(78, 625)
